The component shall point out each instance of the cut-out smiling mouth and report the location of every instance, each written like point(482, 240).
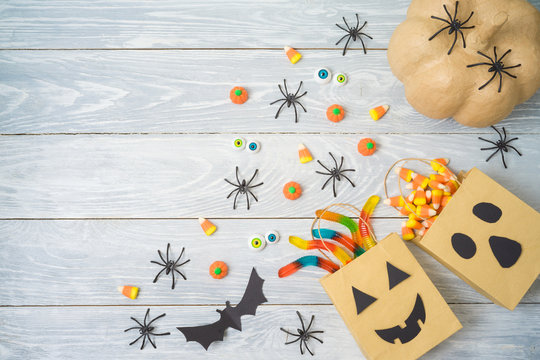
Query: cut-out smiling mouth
point(412, 327)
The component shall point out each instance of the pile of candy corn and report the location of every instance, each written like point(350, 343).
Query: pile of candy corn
point(423, 205)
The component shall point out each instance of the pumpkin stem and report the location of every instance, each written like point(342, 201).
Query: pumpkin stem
point(481, 38)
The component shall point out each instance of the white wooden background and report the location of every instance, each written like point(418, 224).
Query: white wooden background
point(116, 129)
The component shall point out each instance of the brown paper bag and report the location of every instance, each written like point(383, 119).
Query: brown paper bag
point(389, 304)
point(489, 238)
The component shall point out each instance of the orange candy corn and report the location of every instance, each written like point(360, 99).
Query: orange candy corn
point(428, 222)
point(422, 232)
point(413, 224)
point(207, 226)
point(395, 201)
point(406, 233)
point(428, 196)
point(436, 198)
point(292, 54)
point(407, 209)
point(419, 197)
point(404, 173)
point(410, 198)
point(436, 163)
point(445, 200)
point(437, 177)
point(420, 180)
point(304, 154)
point(448, 175)
point(434, 184)
point(452, 186)
point(425, 211)
point(378, 112)
point(129, 291)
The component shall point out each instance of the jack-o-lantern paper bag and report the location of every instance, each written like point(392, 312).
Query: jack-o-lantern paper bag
point(489, 238)
point(389, 304)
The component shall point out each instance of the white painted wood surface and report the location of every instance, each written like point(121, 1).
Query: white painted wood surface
point(119, 151)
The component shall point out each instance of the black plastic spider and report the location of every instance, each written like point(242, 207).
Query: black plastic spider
point(170, 266)
point(146, 330)
point(336, 173)
point(353, 33)
point(289, 99)
point(496, 67)
point(243, 187)
point(501, 145)
point(304, 334)
point(454, 25)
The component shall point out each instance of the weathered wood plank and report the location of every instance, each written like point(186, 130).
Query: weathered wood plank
point(82, 262)
point(182, 24)
point(187, 92)
point(176, 176)
point(489, 332)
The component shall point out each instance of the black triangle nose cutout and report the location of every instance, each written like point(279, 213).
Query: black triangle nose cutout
point(487, 212)
point(362, 300)
point(506, 251)
point(395, 276)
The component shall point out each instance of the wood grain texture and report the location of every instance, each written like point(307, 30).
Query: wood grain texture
point(82, 263)
point(182, 24)
point(489, 332)
point(176, 176)
point(187, 92)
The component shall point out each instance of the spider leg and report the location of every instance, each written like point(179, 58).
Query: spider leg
point(132, 328)
point(173, 280)
point(247, 200)
point(316, 338)
point(252, 177)
point(511, 67)
point(482, 63)
point(455, 11)
point(333, 158)
point(162, 334)
point(307, 347)
point(495, 53)
point(298, 312)
point(168, 250)
point(281, 90)
point(181, 253)
point(484, 55)
point(285, 84)
point(463, 38)
point(483, 86)
point(310, 323)
point(345, 21)
point(342, 28)
point(154, 319)
point(363, 45)
point(281, 107)
point(507, 141)
point(151, 342)
point(489, 141)
point(498, 132)
point(490, 156)
point(146, 316)
point(293, 341)
point(334, 185)
point(506, 53)
point(326, 182)
point(490, 148)
point(144, 340)
point(466, 21)
point(182, 275)
point(298, 97)
point(454, 43)
point(158, 263)
point(298, 90)
point(357, 21)
point(346, 44)
point(365, 35)
point(327, 169)
point(252, 186)
point(301, 348)
point(438, 18)
point(227, 180)
point(507, 73)
point(516, 150)
point(295, 113)
point(365, 22)
point(348, 180)
point(137, 339)
point(447, 13)
point(278, 100)
point(235, 197)
point(504, 162)
point(228, 196)
point(341, 163)
point(161, 256)
point(500, 80)
point(438, 32)
point(344, 36)
point(184, 263)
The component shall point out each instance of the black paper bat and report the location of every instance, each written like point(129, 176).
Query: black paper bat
point(230, 316)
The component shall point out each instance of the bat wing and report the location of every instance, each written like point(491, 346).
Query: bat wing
point(205, 334)
point(253, 296)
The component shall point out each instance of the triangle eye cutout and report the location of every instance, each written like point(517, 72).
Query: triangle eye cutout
point(395, 276)
point(362, 300)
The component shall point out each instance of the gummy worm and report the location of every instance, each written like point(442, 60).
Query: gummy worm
point(310, 260)
point(343, 220)
point(338, 252)
point(340, 238)
point(365, 214)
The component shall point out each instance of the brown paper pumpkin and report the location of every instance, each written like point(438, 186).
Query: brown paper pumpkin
point(440, 83)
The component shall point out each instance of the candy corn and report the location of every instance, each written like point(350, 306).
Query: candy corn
point(406, 233)
point(419, 197)
point(422, 231)
point(428, 196)
point(395, 201)
point(428, 222)
point(425, 211)
point(436, 163)
point(434, 184)
point(404, 173)
point(407, 209)
point(304, 154)
point(378, 112)
point(437, 177)
point(436, 197)
point(413, 224)
point(448, 175)
point(207, 226)
point(452, 185)
point(420, 180)
point(292, 54)
point(129, 291)
point(411, 196)
point(445, 200)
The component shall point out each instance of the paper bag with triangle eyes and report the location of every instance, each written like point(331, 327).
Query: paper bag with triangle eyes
point(389, 304)
point(489, 238)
